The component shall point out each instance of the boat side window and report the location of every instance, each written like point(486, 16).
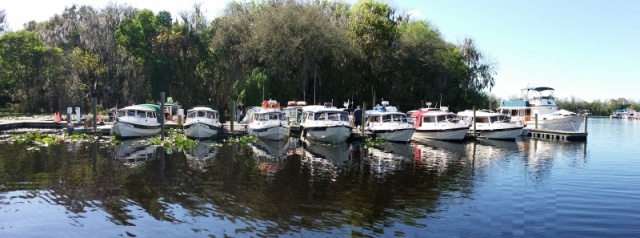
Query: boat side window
point(429, 119)
point(482, 120)
point(493, 119)
point(344, 116)
point(131, 113)
point(527, 112)
point(403, 118)
point(442, 118)
point(386, 118)
point(121, 113)
point(140, 114)
point(191, 115)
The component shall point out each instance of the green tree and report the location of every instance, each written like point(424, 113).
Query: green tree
point(23, 62)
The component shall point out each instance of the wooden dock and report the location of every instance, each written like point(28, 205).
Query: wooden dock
point(558, 135)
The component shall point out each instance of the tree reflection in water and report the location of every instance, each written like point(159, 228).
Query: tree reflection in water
point(302, 188)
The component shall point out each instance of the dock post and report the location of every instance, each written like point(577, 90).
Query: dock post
point(162, 116)
point(233, 115)
point(536, 124)
point(363, 117)
point(94, 104)
point(585, 122)
point(474, 121)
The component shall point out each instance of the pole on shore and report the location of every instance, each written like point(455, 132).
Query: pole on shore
point(94, 104)
point(474, 121)
point(363, 117)
point(536, 118)
point(233, 115)
point(585, 122)
point(162, 116)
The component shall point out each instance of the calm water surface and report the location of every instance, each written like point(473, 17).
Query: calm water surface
point(528, 188)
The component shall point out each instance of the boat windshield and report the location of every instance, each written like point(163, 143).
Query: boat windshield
point(331, 116)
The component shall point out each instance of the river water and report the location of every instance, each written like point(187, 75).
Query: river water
point(483, 188)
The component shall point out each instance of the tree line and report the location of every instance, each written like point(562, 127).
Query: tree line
point(313, 51)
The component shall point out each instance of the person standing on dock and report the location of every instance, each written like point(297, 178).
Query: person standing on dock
point(357, 116)
point(239, 110)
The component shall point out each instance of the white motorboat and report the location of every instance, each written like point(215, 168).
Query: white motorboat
point(540, 101)
point(387, 123)
point(269, 122)
point(438, 124)
point(491, 125)
point(137, 121)
point(325, 123)
point(202, 122)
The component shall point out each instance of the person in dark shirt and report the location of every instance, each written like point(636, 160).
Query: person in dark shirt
point(239, 111)
point(357, 116)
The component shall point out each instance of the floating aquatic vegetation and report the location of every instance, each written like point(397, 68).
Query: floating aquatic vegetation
point(173, 140)
point(378, 142)
point(242, 140)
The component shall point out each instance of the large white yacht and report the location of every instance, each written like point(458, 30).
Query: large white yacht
point(540, 101)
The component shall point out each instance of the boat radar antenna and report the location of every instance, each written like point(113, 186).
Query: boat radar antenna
point(428, 104)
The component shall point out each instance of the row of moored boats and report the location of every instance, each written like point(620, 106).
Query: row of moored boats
point(326, 123)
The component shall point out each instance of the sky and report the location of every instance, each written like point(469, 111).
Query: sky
point(585, 49)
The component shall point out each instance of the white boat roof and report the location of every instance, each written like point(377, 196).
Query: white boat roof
point(201, 109)
point(376, 112)
point(137, 107)
point(269, 110)
point(318, 108)
point(479, 113)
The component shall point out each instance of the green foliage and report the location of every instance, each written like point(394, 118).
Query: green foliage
point(175, 140)
point(330, 52)
point(378, 142)
point(242, 140)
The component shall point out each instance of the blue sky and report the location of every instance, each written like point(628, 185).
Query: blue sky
point(582, 48)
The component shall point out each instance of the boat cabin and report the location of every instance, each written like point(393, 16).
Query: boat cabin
point(387, 117)
point(433, 116)
point(202, 113)
point(140, 111)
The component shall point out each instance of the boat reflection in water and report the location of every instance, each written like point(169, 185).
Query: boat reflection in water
point(488, 148)
point(325, 159)
point(436, 154)
point(270, 148)
point(270, 155)
point(390, 157)
point(199, 154)
point(134, 152)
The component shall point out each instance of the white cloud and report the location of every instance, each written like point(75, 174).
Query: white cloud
point(415, 14)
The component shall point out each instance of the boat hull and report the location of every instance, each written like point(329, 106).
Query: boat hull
point(330, 134)
point(398, 135)
point(558, 124)
point(500, 134)
point(454, 134)
point(126, 130)
point(279, 132)
point(201, 130)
